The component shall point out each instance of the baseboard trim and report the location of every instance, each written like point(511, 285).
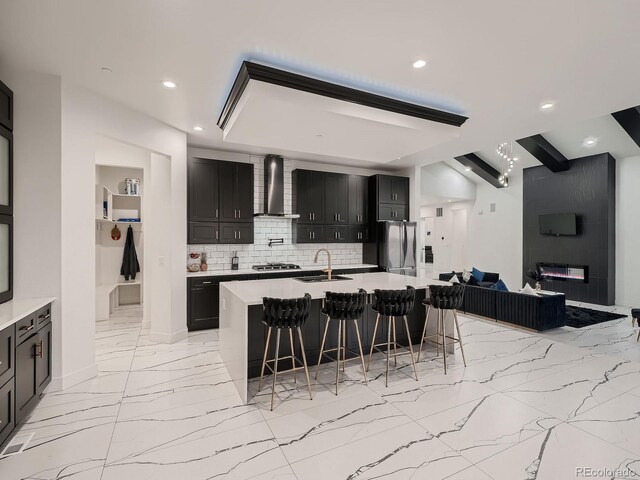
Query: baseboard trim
point(74, 378)
point(160, 337)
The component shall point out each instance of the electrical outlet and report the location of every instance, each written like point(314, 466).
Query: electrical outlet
point(161, 261)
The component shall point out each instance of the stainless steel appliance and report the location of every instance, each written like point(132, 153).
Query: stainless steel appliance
point(276, 266)
point(397, 247)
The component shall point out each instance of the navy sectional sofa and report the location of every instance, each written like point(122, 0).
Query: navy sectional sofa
point(529, 311)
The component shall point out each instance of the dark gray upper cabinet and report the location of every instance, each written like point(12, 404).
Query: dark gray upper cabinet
point(236, 192)
point(203, 191)
point(358, 190)
point(220, 191)
point(392, 189)
point(388, 198)
point(309, 195)
point(6, 107)
point(336, 198)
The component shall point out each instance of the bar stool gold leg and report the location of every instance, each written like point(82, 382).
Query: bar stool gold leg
point(424, 332)
point(373, 340)
point(324, 339)
point(395, 351)
point(338, 353)
point(344, 344)
point(264, 358)
point(275, 367)
point(455, 316)
point(638, 337)
point(438, 332)
point(364, 370)
point(444, 343)
point(386, 376)
point(293, 356)
point(413, 362)
point(304, 362)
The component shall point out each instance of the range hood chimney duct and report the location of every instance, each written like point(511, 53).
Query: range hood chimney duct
point(274, 188)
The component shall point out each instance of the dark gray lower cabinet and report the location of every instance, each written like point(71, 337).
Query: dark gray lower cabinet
point(29, 359)
point(7, 415)
point(202, 305)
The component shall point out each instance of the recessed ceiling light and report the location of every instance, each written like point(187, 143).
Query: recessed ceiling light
point(449, 200)
point(198, 128)
point(547, 105)
point(419, 63)
point(590, 141)
point(468, 169)
point(319, 135)
point(169, 84)
point(106, 70)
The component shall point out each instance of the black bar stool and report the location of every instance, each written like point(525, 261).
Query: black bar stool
point(444, 299)
point(392, 304)
point(343, 307)
point(287, 314)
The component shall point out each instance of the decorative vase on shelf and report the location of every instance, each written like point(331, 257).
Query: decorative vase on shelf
point(538, 287)
point(203, 262)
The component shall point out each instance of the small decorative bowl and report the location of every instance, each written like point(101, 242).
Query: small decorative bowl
point(194, 267)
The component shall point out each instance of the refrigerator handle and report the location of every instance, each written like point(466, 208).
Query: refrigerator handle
point(403, 243)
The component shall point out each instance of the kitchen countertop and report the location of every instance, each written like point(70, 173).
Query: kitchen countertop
point(250, 292)
point(18, 308)
point(251, 271)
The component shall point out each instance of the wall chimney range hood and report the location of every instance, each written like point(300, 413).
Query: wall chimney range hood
point(274, 189)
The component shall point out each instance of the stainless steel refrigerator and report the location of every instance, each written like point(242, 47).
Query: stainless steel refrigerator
point(397, 247)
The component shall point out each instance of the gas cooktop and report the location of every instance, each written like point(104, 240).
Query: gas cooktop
point(277, 266)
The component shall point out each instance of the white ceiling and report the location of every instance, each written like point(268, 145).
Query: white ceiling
point(277, 117)
point(492, 61)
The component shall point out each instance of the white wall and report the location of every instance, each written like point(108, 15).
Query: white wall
point(627, 232)
point(439, 181)
point(85, 116)
point(495, 239)
point(37, 268)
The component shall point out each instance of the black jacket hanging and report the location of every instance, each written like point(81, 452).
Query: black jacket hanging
point(130, 265)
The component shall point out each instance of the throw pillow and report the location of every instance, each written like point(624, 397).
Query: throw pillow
point(529, 290)
point(500, 286)
point(478, 274)
point(454, 279)
point(472, 281)
point(466, 274)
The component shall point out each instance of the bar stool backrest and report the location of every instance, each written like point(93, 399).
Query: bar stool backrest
point(345, 306)
point(446, 297)
point(286, 312)
point(394, 303)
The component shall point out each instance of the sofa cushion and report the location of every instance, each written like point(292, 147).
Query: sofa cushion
point(529, 290)
point(454, 279)
point(499, 285)
point(478, 274)
point(472, 282)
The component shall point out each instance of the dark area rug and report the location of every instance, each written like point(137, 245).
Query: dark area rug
point(578, 317)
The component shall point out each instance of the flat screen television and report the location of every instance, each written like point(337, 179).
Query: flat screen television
point(558, 224)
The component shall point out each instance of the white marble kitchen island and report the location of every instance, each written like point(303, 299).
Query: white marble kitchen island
point(242, 334)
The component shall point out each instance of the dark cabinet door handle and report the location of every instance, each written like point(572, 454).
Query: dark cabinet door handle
point(216, 234)
point(216, 213)
point(206, 283)
point(24, 328)
point(239, 234)
point(41, 349)
point(314, 235)
point(44, 317)
point(310, 218)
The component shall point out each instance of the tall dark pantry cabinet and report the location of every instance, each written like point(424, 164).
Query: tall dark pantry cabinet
point(6, 193)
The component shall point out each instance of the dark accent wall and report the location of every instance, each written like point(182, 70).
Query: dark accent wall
point(588, 190)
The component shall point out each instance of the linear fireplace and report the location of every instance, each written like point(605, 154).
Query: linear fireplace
point(565, 273)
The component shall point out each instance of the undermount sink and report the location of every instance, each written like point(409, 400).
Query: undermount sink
point(321, 278)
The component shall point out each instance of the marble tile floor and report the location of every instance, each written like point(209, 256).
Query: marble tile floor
point(561, 405)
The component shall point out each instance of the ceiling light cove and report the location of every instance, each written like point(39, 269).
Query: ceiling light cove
point(419, 63)
point(548, 105)
point(590, 142)
point(169, 84)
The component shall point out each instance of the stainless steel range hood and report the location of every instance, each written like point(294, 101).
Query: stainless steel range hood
point(274, 189)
